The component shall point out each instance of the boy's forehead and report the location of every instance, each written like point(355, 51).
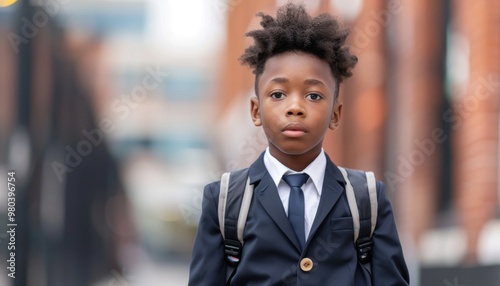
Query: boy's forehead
point(297, 65)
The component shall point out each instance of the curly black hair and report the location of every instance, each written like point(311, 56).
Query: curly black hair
point(294, 29)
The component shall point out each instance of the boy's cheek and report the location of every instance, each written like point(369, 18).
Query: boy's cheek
point(270, 132)
point(271, 123)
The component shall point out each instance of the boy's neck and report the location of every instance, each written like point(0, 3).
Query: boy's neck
point(295, 162)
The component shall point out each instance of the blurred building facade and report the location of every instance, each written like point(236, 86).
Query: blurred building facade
point(421, 110)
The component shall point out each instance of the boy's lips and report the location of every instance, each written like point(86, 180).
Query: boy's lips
point(294, 130)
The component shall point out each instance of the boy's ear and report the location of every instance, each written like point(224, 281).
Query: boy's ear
point(336, 114)
point(254, 111)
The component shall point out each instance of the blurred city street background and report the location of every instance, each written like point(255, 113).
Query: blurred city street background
point(115, 113)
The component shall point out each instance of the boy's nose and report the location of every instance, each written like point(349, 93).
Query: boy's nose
point(295, 108)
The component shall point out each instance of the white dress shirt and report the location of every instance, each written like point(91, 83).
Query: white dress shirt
point(312, 188)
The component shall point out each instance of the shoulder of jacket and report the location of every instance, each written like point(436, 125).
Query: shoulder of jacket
point(212, 189)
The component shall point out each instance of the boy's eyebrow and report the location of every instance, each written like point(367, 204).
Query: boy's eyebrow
point(309, 81)
point(312, 81)
point(280, 80)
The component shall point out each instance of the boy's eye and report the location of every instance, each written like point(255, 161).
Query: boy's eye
point(277, 95)
point(314, 96)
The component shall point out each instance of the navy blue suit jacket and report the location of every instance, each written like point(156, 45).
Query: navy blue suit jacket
point(271, 254)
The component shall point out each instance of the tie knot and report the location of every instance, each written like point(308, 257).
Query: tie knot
point(295, 180)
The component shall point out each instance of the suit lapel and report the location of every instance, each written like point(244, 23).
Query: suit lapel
point(332, 190)
point(266, 193)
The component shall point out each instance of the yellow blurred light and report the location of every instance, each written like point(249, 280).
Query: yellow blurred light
point(6, 3)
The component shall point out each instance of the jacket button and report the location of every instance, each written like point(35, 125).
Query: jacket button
point(306, 264)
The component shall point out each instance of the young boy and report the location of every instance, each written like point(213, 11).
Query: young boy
point(297, 233)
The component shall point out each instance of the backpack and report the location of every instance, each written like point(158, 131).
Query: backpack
point(236, 195)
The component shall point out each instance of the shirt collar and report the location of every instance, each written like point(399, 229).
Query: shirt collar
point(315, 170)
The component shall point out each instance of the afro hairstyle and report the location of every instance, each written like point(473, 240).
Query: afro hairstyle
point(294, 29)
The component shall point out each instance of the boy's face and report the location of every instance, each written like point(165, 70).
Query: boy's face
point(295, 104)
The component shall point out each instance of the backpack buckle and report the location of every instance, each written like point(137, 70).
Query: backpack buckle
point(232, 248)
point(364, 247)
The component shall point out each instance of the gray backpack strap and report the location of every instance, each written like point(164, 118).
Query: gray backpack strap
point(372, 190)
point(361, 192)
point(235, 197)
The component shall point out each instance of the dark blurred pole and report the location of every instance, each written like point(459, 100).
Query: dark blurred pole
point(23, 125)
point(24, 71)
point(51, 189)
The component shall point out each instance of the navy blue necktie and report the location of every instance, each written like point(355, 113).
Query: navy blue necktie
point(296, 208)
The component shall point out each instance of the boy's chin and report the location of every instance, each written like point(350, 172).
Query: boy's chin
point(295, 150)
